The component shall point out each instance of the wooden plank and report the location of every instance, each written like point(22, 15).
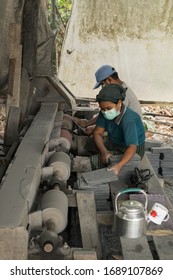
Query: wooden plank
point(88, 221)
point(159, 232)
point(14, 38)
point(15, 55)
point(136, 249)
point(84, 255)
point(164, 247)
point(13, 243)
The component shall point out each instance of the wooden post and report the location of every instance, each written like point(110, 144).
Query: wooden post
point(15, 54)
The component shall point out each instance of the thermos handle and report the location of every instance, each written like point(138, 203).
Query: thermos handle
point(131, 190)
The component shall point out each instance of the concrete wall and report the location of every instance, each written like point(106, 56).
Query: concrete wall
point(134, 36)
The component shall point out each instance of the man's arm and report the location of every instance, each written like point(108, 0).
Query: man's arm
point(98, 139)
point(85, 123)
point(127, 156)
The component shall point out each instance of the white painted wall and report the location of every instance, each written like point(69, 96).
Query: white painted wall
point(134, 36)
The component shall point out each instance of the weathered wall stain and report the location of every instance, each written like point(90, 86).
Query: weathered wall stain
point(135, 36)
point(140, 19)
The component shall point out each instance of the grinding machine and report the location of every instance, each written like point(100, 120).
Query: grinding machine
point(38, 202)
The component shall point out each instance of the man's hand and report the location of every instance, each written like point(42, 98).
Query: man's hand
point(105, 157)
point(82, 123)
point(116, 168)
point(127, 156)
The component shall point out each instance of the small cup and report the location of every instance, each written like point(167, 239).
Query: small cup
point(158, 214)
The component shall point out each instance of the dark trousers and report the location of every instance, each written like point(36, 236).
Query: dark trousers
point(115, 149)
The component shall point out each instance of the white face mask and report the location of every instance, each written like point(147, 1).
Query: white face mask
point(110, 114)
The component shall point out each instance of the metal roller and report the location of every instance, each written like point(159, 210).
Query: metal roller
point(81, 142)
point(67, 122)
point(61, 138)
point(54, 138)
point(56, 131)
point(65, 139)
point(54, 206)
point(61, 163)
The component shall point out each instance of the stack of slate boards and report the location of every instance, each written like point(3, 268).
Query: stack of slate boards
point(128, 169)
point(161, 159)
point(152, 143)
point(97, 181)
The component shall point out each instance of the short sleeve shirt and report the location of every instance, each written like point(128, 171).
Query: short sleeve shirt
point(129, 131)
point(131, 100)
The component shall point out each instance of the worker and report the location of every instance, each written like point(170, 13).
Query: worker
point(105, 75)
point(124, 127)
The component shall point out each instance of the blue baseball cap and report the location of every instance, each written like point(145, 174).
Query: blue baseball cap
point(102, 73)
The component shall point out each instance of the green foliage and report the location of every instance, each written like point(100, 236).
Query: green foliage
point(59, 12)
point(65, 8)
